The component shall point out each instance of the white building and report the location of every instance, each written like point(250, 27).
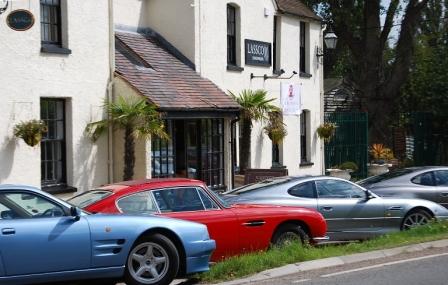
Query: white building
point(58, 71)
point(215, 36)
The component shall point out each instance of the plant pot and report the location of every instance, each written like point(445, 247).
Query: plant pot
point(32, 140)
point(377, 169)
point(340, 173)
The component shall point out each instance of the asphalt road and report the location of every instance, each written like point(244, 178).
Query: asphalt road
point(428, 268)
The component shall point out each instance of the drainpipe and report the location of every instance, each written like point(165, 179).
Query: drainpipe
point(322, 116)
point(110, 157)
point(232, 124)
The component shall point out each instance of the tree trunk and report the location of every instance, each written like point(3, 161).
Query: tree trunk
point(129, 154)
point(245, 145)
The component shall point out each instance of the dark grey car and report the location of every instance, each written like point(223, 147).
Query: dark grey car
point(351, 211)
point(430, 183)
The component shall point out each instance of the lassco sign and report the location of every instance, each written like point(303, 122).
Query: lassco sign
point(258, 53)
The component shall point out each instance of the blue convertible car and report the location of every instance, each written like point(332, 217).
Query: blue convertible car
point(44, 239)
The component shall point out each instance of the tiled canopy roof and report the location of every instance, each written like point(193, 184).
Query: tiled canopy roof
point(296, 7)
point(166, 81)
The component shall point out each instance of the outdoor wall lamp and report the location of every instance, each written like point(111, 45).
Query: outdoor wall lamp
point(266, 77)
point(3, 6)
point(330, 40)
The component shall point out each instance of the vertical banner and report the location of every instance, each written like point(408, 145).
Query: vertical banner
point(290, 98)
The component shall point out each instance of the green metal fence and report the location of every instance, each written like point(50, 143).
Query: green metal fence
point(350, 141)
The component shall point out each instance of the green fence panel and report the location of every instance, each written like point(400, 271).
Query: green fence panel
point(350, 141)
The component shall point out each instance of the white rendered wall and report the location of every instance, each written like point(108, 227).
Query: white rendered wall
point(132, 13)
point(256, 26)
point(27, 75)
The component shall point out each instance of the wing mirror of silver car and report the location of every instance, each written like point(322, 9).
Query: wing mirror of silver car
point(369, 195)
point(75, 212)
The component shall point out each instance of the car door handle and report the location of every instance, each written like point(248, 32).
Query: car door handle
point(327, 209)
point(8, 232)
point(254, 223)
point(444, 194)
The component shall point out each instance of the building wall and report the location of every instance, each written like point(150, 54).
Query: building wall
point(256, 26)
point(132, 13)
point(27, 75)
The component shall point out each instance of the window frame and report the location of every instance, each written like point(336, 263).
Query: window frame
point(232, 58)
point(47, 138)
point(51, 8)
point(146, 192)
point(433, 180)
point(169, 124)
point(303, 183)
point(305, 144)
point(364, 192)
point(171, 206)
point(303, 48)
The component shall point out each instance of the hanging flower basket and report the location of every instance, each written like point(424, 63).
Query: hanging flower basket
point(326, 131)
point(30, 131)
point(275, 129)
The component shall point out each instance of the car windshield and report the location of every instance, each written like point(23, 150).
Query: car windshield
point(219, 199)
point(260, 185)
point(384, 176)
point(88, 198)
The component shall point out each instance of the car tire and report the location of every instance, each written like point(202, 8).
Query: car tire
point(289, 233)
point(415, 218)
point(153, 260)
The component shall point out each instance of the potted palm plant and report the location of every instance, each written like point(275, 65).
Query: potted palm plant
point(380, 155)
point(30, 131)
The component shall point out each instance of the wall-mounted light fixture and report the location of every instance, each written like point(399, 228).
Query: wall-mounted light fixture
point(330, 40)
point(266, 77)
point(3, 6)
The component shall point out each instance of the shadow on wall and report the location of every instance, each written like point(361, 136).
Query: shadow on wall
point(90, 168)
point(142, 21)
point(259, 150)
point(7, 150)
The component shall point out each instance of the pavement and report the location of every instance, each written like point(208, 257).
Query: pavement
point(336, 261)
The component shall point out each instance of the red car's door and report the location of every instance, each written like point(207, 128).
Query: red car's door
point(194, 204)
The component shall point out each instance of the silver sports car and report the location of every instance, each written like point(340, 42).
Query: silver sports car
point(430, 183)
point(351, 211)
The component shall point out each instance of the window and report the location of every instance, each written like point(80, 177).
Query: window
point(304, 190)
point(53, 156)
point(231, 35)
point(212, 153)
point(163, 154)
point(208, 203)
point(329, 188)
point(302, 47)
point(441, 177)
point(304, 129)
point(139, 203)
point(50, 15)
point(178, 200)
point(425, 179)
point(27, 206)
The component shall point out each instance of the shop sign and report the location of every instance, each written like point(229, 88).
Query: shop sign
point(20, 20)
point(258, 53)
point(290, 99)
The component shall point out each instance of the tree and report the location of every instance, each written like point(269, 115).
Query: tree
point(137, 118)
point(255, 107)
point(427, 87)
point(377, 70)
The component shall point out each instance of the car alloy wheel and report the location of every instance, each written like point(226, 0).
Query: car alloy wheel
point(288, 234)
point(153, 261)
point(415, 219)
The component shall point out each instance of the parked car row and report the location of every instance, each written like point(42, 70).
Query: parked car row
point(151, 231)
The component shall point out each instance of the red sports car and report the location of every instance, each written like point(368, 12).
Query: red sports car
point(236, 228)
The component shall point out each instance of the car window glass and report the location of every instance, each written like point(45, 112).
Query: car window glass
point(385, 176)
point(271, 182)
point(424, 179)
point(303, 190)
point(338, 189)
point(178, 200)
point(25, 205)
point(139, 203)
point(441, 177)
point(88, 198)
point(209, 204)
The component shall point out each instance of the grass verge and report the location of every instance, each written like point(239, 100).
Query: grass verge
point(245, 265)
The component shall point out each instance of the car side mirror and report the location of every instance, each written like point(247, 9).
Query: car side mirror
point(75, 212)
point(369, 195)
